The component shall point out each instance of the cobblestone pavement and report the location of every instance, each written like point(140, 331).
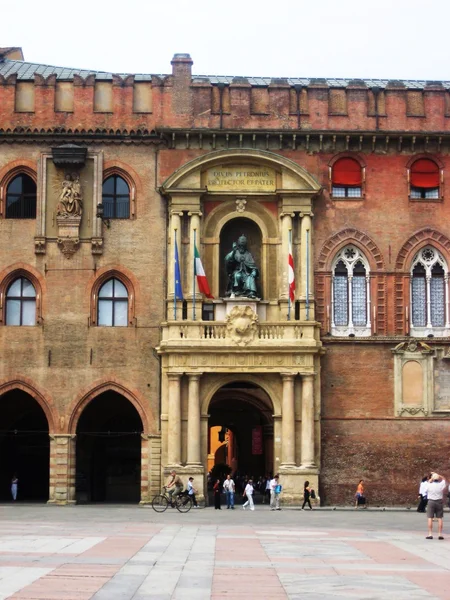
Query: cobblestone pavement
point(124, 553)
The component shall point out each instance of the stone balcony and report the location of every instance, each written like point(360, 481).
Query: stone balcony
point(240, 334)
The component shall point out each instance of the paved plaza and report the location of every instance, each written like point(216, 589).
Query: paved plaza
point(124, 553)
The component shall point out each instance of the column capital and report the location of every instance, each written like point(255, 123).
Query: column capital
point(195, 213)
point(174, 376)
point(287, 214)
point(287, 376)
point(193, 374)
point(308, 375)
point(62, 437)
point(176, 213)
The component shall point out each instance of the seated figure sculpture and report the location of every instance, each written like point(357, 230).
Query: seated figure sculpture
point(241, 270)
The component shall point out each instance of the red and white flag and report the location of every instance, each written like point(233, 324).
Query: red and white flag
point(199, 271)
point(291, 274)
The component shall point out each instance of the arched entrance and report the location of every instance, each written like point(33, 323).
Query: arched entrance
point(24, 447)
point(108, 456)
point(241, 430)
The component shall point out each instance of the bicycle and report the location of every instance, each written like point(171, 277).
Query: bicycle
point(182, 502)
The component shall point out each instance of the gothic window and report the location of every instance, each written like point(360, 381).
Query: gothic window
point(351, 297)
point(21, 303)
point(346, 178)
point(113, 304)
point(424, 180)
point(21, 198)
point(429, 292)
point(116, 198)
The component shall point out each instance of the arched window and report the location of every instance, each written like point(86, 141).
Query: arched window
point(21, 303)
point(113, 304)
point(429, 293)
point(351, 293)
point(21, 198)
point(346, 178)
point(424, 179)
point(116, 198)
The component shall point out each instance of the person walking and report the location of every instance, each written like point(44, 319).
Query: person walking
point(360, 499)
point(423, 494)
point(249, 493)
point(275, 491)
point(435, 506)
point(192, 491)
point(14, 487)
point(216, 489)
point(306, 496)
point(229, 489)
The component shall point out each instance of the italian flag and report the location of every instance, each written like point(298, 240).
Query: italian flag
point(199, 271)
point(291, 275)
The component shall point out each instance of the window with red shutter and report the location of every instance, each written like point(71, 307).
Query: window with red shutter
point(424, 179)
point(346, 178)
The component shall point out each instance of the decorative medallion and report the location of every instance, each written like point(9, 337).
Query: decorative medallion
point(240, 205)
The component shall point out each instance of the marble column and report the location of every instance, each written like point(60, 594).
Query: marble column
point(193, 428)
point(286, 227)
point(174, 420)
point(288, 422)
point(308, 454)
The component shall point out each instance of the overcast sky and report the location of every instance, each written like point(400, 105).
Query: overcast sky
point(392, 39)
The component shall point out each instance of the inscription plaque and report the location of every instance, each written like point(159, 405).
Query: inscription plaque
point(241, 178)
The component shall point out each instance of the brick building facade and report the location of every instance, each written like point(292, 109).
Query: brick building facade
point(109, 378)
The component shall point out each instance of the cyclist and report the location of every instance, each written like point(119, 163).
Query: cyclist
point(174, 485)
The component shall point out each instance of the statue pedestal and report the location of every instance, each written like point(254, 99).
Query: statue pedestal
point(68, 234)
point(227, 305)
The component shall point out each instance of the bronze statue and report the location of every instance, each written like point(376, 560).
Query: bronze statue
point(70, 199)
point(241, 270)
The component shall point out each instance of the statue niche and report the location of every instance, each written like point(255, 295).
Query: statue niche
point(240, 252)
point(70, 199)
point(241, 270)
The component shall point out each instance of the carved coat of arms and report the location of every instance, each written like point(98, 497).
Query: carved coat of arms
point(242, 325)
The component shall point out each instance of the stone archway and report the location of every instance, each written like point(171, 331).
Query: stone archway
point(108, 450)
point(24, 446)
point(245, 411)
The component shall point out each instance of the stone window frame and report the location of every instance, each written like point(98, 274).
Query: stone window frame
point(11, 174)
point(120, 172)
point(362, 164)
point(6, 283)
point(350, 329)
point(439, 164)
point(98, 283)
point(429, 329)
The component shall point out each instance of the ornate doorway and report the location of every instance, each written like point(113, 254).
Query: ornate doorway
point(240, 430)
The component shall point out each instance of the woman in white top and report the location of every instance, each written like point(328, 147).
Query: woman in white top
point(249, 493)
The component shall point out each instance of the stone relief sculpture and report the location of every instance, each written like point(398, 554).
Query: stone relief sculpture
point(242, 325)
point(241, 270)
point(70, 200)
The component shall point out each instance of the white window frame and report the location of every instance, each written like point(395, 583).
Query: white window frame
point(350, 255)
point(428, 257)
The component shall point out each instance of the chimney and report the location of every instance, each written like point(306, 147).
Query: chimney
point(13, 53)
point(182, 66)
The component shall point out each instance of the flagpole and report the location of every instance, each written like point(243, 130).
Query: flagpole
point(289, 287)
point(175, 275)
point(193, 276)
